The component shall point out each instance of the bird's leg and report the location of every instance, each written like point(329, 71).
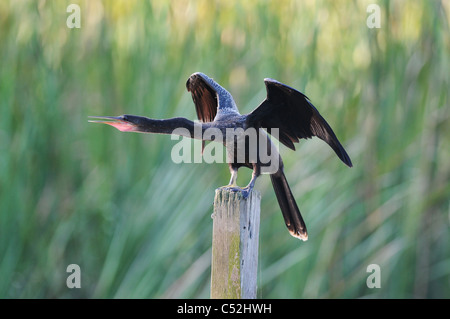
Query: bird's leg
point(232, 186)
point(245, 191)
point(234, 172)
point(232, 183)
point(248, 189)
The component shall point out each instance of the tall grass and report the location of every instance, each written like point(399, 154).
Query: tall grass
point(139, 225)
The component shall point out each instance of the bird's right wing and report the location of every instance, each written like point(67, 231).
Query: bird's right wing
point(291, 112)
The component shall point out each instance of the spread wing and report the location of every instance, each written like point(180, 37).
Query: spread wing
point(204, 97)
point(291, 112)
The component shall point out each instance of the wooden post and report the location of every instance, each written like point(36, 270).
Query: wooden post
point(235, 241)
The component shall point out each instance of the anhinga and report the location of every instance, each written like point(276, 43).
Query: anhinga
point(285, 111)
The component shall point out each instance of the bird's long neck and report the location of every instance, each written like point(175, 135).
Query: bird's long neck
point(177, 126)
point(225, 99)
point(226, 102)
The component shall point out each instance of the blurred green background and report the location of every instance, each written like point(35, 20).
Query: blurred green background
point(139, 225)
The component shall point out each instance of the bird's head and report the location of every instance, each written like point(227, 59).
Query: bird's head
point(200, 80)
point(197, 77)
point(124, 123)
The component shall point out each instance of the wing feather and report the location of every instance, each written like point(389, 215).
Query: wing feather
point(292, 113)
point(204, 97)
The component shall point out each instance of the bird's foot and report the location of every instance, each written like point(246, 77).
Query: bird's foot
point(233, 188)
point(245, 191)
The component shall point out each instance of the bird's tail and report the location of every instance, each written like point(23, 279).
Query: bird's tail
point(291, 213)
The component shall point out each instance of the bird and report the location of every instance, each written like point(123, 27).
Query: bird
point(285, 114)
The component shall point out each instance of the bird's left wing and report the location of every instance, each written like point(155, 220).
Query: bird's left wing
point(291, 112)
point(204, 97)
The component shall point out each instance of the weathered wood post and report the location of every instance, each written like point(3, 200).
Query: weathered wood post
point(235, 242)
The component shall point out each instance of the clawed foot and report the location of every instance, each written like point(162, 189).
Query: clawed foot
point(245, 191)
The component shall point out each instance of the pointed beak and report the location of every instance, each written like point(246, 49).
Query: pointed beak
point(119, 122)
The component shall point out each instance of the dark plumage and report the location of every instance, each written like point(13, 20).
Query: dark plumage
point(286, 114)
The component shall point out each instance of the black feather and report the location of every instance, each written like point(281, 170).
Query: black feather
point(291, 112)
point(289, 209)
